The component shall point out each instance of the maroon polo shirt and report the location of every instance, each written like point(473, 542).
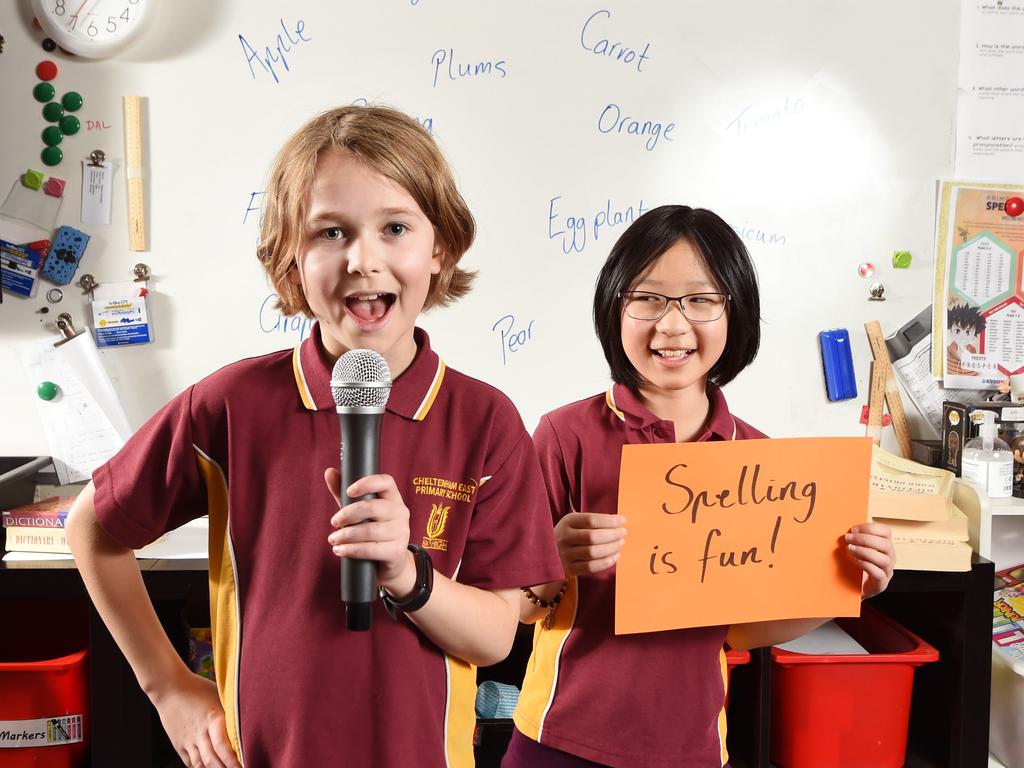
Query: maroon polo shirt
point(248, 446)
point(653, 699)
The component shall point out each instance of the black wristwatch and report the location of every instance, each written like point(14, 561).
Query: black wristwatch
point(421, 590)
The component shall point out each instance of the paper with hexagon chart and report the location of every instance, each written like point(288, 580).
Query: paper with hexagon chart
point(978, 314)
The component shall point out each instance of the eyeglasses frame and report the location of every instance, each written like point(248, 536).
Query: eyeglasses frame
point(678, 300)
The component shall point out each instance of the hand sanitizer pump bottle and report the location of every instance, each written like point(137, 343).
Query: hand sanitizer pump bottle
point(987, 461)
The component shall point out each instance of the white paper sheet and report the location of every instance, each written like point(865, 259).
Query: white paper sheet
point(80, 422)
point(828, 639)
point(97, 186)
point(990, 133)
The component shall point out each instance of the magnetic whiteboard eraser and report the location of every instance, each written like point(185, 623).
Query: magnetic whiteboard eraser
point(837, 360)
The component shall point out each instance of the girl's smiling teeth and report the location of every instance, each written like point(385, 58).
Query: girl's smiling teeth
point(673, 354)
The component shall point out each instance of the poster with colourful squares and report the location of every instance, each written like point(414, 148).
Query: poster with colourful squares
point(979, 302)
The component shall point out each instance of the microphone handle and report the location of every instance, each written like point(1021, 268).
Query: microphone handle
point(360, 456)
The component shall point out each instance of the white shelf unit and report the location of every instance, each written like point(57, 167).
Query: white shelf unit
point(996, 525)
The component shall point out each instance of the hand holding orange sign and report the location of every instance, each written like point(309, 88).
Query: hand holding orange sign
point(731, 532)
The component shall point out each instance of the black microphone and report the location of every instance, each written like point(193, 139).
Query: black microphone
point(361, 384)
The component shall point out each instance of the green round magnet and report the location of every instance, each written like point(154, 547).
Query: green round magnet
point(72, 101)
point(53, 112)
point(52, 155)
point(70, 125)
point(47, 390)
point(52, 136)
point(43, 92)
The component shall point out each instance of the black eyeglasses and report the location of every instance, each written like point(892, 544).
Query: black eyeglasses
point(696, 307)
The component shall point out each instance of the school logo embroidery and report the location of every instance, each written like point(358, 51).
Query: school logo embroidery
point(438, 520)
point(451, 490)
point(435, 527)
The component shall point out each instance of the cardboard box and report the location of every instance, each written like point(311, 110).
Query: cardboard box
point(958, 427)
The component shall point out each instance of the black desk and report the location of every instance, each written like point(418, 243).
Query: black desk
point(949, 712)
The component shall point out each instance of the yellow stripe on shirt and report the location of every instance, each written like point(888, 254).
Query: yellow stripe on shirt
point(542, 672)
point(300, 380)
point(609, 398)
point(460, 716)
point(722, 725)
point(435, 387)
point(224, 616)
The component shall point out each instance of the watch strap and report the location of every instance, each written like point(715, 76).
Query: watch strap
point(421, 590)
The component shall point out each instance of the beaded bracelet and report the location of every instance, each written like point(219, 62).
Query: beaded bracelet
point(550, 605)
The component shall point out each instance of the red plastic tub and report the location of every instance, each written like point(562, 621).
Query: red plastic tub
point(847, 711)
point(44, 685)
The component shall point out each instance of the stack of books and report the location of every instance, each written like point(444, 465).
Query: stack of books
point(38, 527)
point(1008, 612)
point(929, 533)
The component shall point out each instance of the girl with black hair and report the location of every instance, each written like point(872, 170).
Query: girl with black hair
point(678, 314)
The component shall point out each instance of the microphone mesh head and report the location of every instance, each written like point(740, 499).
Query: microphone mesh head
point(361, 379)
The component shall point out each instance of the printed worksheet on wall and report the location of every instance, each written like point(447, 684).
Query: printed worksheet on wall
point(979, 295)
point(989, 131)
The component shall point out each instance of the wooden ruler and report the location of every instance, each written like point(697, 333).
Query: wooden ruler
point(133, 173)
point(876, 396)
point(889, 390)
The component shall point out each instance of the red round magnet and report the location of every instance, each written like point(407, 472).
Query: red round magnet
point(1014, 206)
point(46, 70)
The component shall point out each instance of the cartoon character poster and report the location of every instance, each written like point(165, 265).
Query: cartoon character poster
point(979, 303)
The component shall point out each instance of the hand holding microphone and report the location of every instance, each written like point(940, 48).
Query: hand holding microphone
point(371, 521)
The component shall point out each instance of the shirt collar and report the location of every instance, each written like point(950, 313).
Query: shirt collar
point(625, 404)
point(412, 394)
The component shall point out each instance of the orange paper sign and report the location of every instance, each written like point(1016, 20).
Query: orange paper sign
point(738, 531)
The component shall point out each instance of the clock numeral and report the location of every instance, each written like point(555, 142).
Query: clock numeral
point(92, 29)
point(134, 2)
point(124, 15)
point(59, 7)
point(74, 22)
point(111, 24)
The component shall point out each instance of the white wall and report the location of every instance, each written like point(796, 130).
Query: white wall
point(816, 128)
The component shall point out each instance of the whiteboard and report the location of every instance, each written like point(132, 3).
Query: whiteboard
point(817, 129)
